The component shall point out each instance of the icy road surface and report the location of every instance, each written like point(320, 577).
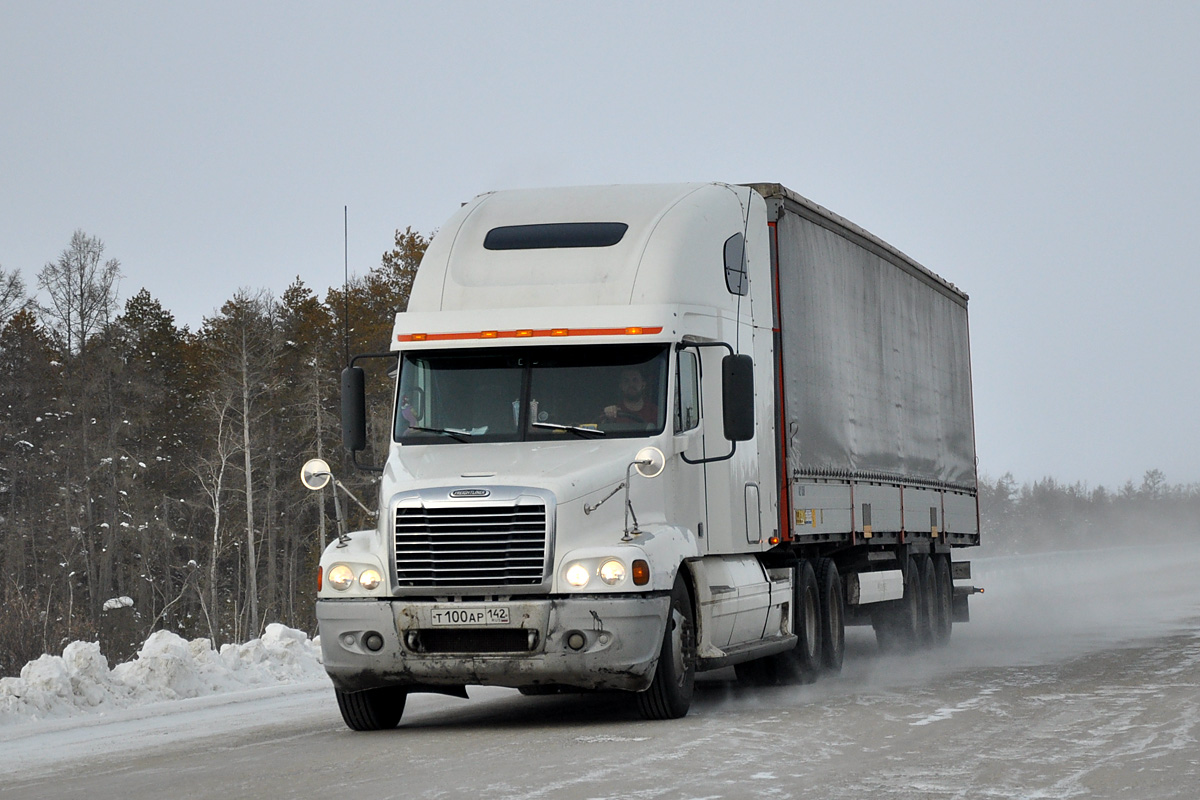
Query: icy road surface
point(1079, 676)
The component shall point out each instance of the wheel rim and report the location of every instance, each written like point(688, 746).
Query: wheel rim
point(837, 630)
point(678, 622)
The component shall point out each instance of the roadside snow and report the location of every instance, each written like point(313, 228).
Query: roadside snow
point(167, 667)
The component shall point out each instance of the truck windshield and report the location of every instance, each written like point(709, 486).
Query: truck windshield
point(531, 393)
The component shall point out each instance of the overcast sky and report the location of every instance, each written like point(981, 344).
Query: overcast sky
point(1044, 157)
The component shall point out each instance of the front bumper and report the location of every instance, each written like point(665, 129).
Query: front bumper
point(586, 642)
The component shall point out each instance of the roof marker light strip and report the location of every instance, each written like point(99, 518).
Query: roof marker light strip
point(526, 333)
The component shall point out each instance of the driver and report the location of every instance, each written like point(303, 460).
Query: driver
point(408, 414)
point(633, 404)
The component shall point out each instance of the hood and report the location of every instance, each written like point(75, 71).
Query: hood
point(569, 469)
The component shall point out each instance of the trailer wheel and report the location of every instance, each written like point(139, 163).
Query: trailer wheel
point(927, 605)
point(670, 694)
point(372, 709)
point(896, 622)
point(833, 616)
point(943, 620)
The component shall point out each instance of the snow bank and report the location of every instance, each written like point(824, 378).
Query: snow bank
point(167, 667)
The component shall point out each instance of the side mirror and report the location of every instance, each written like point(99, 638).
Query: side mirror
point(737, 397)
point(315, 474)
point(354, 409)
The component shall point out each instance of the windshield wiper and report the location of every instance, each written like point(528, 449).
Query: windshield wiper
point(457, 433)
point(572, 428)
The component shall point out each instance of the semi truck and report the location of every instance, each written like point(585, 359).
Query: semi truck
point(644, 432)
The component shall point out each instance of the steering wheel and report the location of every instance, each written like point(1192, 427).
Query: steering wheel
point(622, 415)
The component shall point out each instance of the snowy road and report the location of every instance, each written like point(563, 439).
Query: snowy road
point(1079, 676)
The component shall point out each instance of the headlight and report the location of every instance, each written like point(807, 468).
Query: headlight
point(341, 577)
point(612, 572)
point(369, 579)
point(577, 575)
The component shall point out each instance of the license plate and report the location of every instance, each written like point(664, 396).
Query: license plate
point(472, 616)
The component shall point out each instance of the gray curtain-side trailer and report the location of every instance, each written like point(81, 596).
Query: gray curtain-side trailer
point(873, 381)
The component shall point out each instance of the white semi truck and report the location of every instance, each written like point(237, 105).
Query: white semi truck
point(641, 432)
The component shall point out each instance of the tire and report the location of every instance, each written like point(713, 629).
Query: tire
point(833, 615)
point(943, 605)
point(896, 623)
point(927, 601)
point(803, 664)
point(372, 709)
point(670, 693)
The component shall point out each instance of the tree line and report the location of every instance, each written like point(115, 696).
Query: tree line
point(149, 474)
point(1050, 515)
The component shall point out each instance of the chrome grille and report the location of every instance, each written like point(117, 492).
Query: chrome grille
point(469, 545)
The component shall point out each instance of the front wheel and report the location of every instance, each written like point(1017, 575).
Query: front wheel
point(670, 695)
point(372, 709)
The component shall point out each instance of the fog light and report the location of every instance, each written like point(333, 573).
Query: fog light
point(370, 579)
point(575, 640)
point(341, 577)
point(577, 575)
point(373, 642)
point(612, 572)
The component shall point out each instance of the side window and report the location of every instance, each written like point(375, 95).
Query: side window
point(687, 392)
point(736, 280)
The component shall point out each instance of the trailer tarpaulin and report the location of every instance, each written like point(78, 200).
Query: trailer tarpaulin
point(875, 358)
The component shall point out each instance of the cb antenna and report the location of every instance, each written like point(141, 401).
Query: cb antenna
point(346, 276)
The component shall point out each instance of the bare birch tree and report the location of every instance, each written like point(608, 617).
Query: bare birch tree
point(244, 347)
point(82, 290)
point(210, 470)
point(12, 294)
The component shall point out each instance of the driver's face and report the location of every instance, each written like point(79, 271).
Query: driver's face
point(632, 384)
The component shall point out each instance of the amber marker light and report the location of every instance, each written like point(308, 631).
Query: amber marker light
point(488, 334)
point(420, 337)
point(634, 331)
point(641, 572)
point(524, 333)
point(560, 332)
point(320, 577)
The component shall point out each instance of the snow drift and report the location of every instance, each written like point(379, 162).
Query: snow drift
point(167, 667)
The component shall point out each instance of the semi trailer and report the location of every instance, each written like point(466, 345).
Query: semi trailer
point(642, 432)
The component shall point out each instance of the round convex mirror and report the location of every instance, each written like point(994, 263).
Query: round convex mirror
point(650, 462)
point(315, 474)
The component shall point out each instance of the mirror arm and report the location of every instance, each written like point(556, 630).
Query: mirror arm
point(634, 531)
point(350, 494)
